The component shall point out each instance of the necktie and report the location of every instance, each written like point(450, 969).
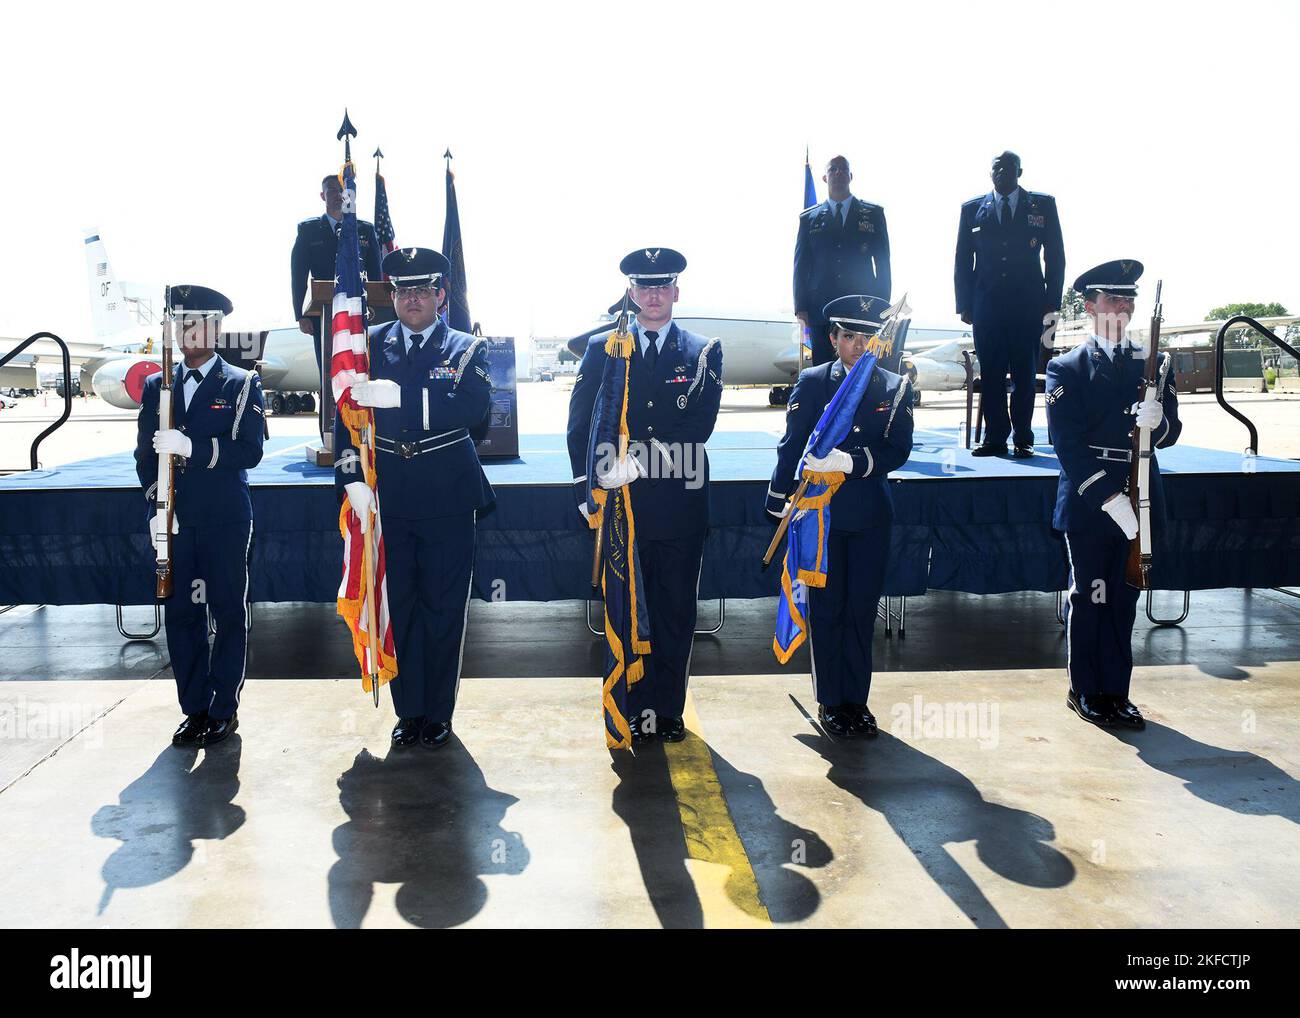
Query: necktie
point(193, 374)
point(839, 214)
point(1005, 217)
point(652, 350)
point(416, 339)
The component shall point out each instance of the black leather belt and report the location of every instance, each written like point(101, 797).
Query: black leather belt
point(409, 450)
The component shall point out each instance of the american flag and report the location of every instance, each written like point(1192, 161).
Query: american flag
point(349, 364)
point(383, 221)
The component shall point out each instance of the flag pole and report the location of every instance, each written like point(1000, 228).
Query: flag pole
point(785, 524)
point(346, 133)
point(620, 327)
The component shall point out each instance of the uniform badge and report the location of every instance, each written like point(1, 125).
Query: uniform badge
point(442, 373)
point(681, 402)
point(866, 226)
point(1037, 220)
point(1033, 241)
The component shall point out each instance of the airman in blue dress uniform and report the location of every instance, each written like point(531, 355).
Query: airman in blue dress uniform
point(218, 427)
point(429, 386)
point(842, 615)
point(314, 250)
point(1010, 268)
point(674, 390)
point(1092, 408)
point(842, 247)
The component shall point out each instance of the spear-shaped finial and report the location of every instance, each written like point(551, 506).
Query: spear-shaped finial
point(447, 155)
point(346, 133)
point(379, 154)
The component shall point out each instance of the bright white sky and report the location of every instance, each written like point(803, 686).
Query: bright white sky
point(194, 138)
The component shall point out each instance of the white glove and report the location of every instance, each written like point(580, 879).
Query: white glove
point(177, 443)
point(361, 498)
point(625, 471)
point(785, 511)
point(586, 514)
point(381, 392)
point(1150, 413)
point(835, 461)
point(160, 523)
point(1120, 509)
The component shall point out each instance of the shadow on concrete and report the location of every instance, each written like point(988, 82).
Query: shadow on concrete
point(160, 815)
point(428, 821)
point(931, 805)
point(1234, 779)
point(646, 801)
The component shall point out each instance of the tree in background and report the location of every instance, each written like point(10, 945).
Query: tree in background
point(1072, 306)
point(1244, 338)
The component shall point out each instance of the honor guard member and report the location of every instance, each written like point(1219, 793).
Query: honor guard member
point(674, 389)
point(842, 615)
point(429, 386)
point(1092, 409)
point(314, 249)
point(842, 247)
point(218, 425)
point(1010, 269)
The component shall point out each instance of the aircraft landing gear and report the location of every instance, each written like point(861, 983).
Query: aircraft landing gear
point(779, 395)
point(277, 403)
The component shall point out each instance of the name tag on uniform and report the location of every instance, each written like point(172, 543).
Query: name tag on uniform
point(1037, 220)
point(975, 229)
point(443, 372)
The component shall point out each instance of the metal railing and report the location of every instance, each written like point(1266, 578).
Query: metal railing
point(1269, 334)
point(67, 386)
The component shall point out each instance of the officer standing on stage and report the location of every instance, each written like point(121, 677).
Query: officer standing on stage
point(314, 249)
point(1009, 272)
point(218, 426)
point(1092, 409)
point(674, 389)
point(842, 247)
point(842, 615)
point(429, 386)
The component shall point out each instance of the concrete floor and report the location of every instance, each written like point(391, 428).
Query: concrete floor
point(983, 803)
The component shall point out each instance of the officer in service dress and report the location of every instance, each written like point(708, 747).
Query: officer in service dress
point(842, 247)
point(1010, 269)
point(674, 390)
point(842, 615)
point(1092, 408)
point(429, 387)
point(218, 424)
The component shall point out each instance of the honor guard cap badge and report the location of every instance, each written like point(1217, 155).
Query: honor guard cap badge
point(652, 266)
point(1118, 278)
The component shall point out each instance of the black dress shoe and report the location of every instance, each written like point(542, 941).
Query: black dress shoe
point(989, 450)
point(637, 723)
point(836, 721)
point(672, 729)
point(190, 729)
point(1127, 715)
point(218, 729)
point(407, 731)
point(1094, 709)
point(436, 734)
point(1023, 452)
point(861, 721)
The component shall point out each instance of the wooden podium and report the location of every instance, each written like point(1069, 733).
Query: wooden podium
point(379, 298)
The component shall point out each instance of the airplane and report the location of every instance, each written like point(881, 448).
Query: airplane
point(130, 349)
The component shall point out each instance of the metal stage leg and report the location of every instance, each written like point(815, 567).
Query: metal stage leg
point(1060, 607)
point(1187, 605)
point(157, 625)
point(248, 620)
point(722, 619)
point(1284, 590)
point(886, 611)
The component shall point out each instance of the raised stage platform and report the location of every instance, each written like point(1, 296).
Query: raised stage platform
point(76, 534)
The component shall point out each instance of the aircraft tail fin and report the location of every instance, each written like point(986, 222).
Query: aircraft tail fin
point(108, 309)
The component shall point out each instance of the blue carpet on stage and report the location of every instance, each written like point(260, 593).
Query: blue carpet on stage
point(76, 534)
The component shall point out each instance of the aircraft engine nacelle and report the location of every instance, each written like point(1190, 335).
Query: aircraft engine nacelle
point(120, 382)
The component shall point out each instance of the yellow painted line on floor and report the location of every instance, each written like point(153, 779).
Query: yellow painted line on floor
point(715, 856)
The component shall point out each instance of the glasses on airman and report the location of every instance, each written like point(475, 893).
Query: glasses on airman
point(426, 292)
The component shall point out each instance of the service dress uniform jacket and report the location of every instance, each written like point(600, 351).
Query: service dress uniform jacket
point(225, 422)
point(831, 259)
point(430, 489)
point(1089, 413)
point(1007, 275)
point(842, 615)
point(314, 251)
point(671, 412)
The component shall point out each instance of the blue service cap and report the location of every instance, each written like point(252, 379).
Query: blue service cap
point(188, 299)
point(1118, 278)
point(857, 312)
point(653, 266)
point(415, 266)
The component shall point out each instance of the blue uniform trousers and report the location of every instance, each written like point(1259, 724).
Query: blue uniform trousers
point(842, 615)
point(430, 569)
point(1008, 339)
point(1100, 614)
point(671, 571)
point(209, 574)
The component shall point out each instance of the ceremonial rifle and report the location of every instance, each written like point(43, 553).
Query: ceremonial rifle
point(1137, 570)
point(164, 494)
